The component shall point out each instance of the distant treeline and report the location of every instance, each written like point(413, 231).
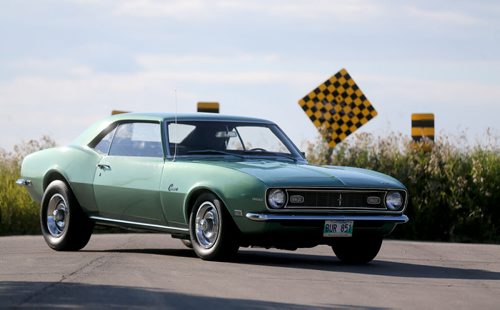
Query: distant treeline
point(454, 188)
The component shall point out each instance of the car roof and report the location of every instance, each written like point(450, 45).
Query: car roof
point(90, 133)
point(186, 116)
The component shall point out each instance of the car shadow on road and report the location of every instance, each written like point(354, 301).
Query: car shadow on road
point(288, 259)
point(50, 295)
point(376, 267)
point(168, 252)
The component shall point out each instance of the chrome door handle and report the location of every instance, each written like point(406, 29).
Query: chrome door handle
point(104, 167)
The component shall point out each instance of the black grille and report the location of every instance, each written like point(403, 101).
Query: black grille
point(335, 199)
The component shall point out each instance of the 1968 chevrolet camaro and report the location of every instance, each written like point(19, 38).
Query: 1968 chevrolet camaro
point(215, 182)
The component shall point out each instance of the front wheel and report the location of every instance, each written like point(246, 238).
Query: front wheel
point(213, 233)
point(357, 250)
point(187, 243)
point(64, 225)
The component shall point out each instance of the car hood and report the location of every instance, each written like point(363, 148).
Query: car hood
point(276, 174)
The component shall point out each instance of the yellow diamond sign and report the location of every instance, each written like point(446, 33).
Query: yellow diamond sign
point(338, 107)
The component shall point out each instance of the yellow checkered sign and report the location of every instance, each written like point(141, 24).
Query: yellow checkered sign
point(338, 106)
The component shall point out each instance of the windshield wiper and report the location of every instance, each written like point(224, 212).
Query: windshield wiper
point(214, 152)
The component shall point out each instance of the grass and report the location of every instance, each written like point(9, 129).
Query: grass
point(454, 187)
point(19, 214)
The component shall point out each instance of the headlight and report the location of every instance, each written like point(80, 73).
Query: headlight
point(394, 201)
point(276, 198)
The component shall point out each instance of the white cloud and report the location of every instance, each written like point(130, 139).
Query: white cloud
point(47, 67)
point(428, 93)
point(292, 10)
point(307, 8)
point(155, 47)
point(156, 61)
point(63, 107)
point(181, 9)
point(442, 16)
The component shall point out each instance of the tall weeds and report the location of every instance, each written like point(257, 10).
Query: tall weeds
point(454, 188)
point(18, 212)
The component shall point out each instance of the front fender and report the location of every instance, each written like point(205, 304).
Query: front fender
point(184, 181)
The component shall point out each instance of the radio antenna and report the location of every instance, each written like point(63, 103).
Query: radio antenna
point(175, 121)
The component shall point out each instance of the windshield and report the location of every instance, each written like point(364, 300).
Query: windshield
point(229, 138)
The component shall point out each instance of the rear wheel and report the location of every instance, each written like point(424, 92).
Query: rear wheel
point(187, 243)
point(357, 250)
point(213, 233)
point(64, 225)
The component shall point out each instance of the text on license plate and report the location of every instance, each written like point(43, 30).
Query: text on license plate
point(338, 229)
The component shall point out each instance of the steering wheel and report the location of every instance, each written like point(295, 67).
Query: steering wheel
point(258, 149)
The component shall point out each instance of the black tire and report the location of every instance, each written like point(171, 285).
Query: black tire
point(187, 243)
point(213, 232)
point(64, 225)
point(357, 250)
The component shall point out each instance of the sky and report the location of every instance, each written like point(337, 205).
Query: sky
point(65, 64)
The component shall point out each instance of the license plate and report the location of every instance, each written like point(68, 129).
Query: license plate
point(338, 229)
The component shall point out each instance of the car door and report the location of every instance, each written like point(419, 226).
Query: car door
point(127, 179)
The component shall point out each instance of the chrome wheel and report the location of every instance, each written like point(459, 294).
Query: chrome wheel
point(57, 215)
point(213, 234)
point(207, 225)
point(64, 225)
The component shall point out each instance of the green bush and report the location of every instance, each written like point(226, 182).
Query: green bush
point(454, 188)
point(18, 212)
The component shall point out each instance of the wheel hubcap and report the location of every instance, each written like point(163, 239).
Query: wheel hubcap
point(57, 215)
point(207, 225)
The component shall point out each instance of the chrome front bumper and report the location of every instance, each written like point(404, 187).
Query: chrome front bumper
point(264, 217)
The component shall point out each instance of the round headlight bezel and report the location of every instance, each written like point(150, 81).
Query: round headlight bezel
point(277, 198)
point(394, 201)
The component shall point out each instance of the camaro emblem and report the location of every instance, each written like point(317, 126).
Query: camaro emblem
point(297, 199)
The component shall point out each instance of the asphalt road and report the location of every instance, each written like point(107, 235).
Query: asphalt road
point(155, 271)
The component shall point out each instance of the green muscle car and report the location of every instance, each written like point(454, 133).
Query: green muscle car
point(215, 182)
